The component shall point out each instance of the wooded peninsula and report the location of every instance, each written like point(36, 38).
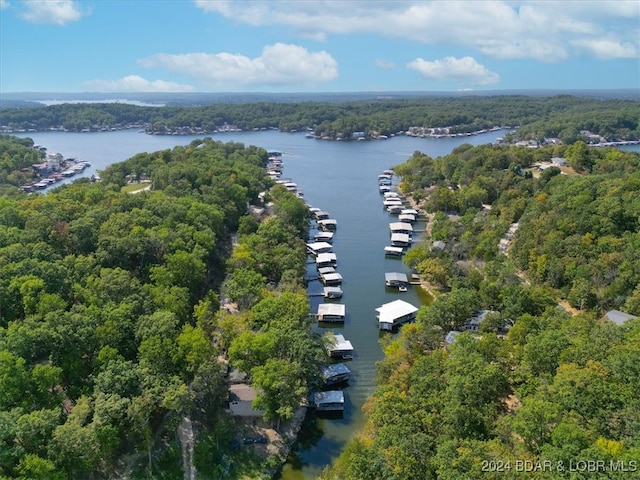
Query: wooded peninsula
point(123, 315)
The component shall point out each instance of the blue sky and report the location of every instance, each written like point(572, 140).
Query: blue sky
point(317, 46)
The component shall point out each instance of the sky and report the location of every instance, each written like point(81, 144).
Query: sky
point(317, 45)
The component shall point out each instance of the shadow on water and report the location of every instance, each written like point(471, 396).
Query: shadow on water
point(312, 435)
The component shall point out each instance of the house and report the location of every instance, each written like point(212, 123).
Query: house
point(439, 245)
point(618, 317)
point(472, 324)
point(241, 397)
point(451, 337)
point(559, 161)
point(393, 314)
point(331, 312)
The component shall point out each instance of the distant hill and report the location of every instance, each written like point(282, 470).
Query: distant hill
point(26, 99)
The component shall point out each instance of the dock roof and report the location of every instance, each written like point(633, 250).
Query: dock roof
point(410, 211)
point(326, 257)
point(335, 369)
point(331, 277)
point(339, 343)
point(333, 309)
point(400, 226)
point(390, 312)
point(400, 237)
point(396, 277)
point(332, 396)
point(332, 290)
point(318, 246)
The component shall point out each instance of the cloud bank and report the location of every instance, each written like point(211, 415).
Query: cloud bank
point(465, 71)
point(56, 12)
point(135, 83)
point(278, 65)
point(546, 31)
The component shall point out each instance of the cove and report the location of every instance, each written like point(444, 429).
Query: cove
point(340, 178)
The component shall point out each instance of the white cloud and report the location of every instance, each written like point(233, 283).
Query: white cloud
point(279, 64)
point(385, 64)
point(606, 49)
point(57, 12)
point(135, 83)
point(4, 4)
point(463, 70)
point(540, 30)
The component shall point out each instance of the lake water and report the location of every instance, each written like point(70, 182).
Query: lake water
point(340, 178)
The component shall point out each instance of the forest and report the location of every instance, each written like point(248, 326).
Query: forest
point(561, 116)
point(121, 313)
point(111, 326)
point(543, 387)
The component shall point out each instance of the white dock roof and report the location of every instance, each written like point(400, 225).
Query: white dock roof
point(328, 221)
point(389, 312)
point(326, 257)
point(326, 270)
point(318, 246)
point(331, 277)
point(396, 277)
point(400, 237)
point(339, 343)
point(410, 211)
point(334, 309)
point(400, 226)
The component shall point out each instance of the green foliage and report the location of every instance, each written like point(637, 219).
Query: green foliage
point(97, 293)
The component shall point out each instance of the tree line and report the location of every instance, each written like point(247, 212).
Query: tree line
point(561, 116)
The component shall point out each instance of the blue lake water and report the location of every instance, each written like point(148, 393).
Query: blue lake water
point(340, 178)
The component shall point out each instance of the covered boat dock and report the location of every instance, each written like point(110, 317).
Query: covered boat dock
point(393, 314)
